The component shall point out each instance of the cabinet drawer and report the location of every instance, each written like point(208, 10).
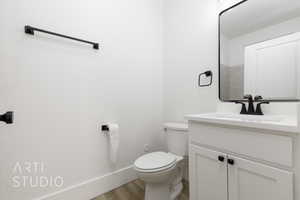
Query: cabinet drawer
point(267, 147)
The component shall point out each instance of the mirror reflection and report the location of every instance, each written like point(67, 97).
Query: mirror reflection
point(260, 50)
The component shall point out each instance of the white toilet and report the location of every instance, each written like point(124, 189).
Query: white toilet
point(162, 172)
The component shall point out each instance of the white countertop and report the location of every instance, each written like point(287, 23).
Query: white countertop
point(267, 122)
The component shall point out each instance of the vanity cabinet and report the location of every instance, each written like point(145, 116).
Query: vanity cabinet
point(219, 176)
point(228, 162)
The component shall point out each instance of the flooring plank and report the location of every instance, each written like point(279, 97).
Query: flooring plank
point(135, 190)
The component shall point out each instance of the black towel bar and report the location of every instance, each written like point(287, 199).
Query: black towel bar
point(30, 30)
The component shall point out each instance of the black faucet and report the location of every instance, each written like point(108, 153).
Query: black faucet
point(244, 109)
point(259, 99)
point(251, 110)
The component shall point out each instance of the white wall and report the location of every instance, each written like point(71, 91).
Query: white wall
point(62, 90)
point(224, 4)
point(190, 48)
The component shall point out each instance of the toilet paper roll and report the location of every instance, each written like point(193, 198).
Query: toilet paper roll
point(114, 140)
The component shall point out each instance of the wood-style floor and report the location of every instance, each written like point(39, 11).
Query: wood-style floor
point(135, 191)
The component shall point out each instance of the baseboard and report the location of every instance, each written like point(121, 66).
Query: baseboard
point(93, 187)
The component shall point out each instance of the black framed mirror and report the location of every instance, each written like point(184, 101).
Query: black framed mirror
point(259, 50)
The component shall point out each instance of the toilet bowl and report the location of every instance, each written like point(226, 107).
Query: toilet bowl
point(162, 172)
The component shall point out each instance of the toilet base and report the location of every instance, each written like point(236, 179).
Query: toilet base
point(157, 191)
point(165, 184)
point(169, 190)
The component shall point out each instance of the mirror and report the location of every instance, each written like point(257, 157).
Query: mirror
point(259, 50)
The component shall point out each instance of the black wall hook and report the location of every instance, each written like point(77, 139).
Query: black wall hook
point(206, 74)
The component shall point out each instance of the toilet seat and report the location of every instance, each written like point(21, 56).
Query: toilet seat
point(155, 162)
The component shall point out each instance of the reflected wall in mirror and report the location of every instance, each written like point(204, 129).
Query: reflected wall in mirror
point(259, 45)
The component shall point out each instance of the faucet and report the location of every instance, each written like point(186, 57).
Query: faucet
point(251, 110)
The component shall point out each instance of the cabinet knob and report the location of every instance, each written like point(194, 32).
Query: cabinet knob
point(221, 158)
point(230, 161)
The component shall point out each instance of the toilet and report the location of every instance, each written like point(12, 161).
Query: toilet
point(162, 172)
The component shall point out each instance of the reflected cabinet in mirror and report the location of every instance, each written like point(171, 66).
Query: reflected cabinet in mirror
point(259, 50)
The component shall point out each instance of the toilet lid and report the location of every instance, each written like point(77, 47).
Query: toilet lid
point(154, 161)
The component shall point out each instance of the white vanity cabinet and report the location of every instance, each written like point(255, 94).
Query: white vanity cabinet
point(235, 163)
point(213, 178)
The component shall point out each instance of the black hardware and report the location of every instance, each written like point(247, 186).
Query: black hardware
point(104, 127)
point(230, 161)
point(8, 117)
point(207, 74)
point(221, 158)
point(250, 110)
point(30, 30)
point(244, 110)
point(258, 110)
point(258, 98)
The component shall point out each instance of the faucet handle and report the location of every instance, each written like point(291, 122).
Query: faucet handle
point(258, 107)
point(258, 97)
point(244, 109)
point(248, 96)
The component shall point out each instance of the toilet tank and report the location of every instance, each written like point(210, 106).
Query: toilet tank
point(177, 138)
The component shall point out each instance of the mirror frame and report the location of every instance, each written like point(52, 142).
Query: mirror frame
point(219, 62)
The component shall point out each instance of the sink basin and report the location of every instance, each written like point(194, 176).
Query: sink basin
point(246, 118)
point(270, 122)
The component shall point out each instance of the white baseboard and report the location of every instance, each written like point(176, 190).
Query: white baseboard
point(91, 188)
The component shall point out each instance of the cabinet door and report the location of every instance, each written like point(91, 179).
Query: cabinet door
point(249, 180)
point(208, 174)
